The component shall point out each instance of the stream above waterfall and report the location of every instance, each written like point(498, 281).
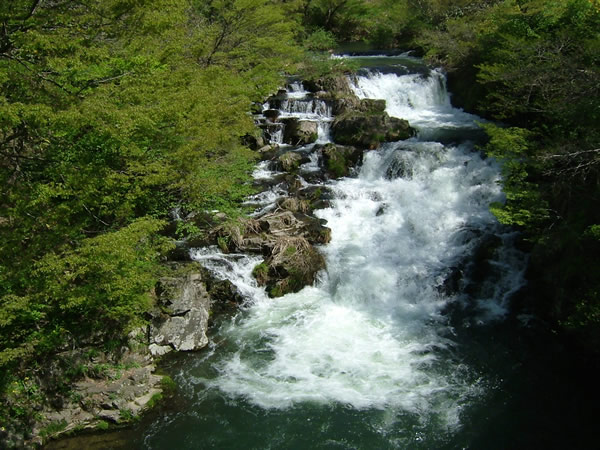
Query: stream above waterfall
point(390, 348)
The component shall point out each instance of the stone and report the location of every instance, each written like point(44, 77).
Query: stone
point(292, 265)
point(366, 130)
point(184, 333)
point(299, 132)
point(182, 294)
point(185, 305)
point(337, 160)
point(290, 161)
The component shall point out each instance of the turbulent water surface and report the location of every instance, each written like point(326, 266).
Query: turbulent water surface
point(402, 343)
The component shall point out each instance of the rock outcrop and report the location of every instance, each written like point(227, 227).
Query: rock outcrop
point(110, 388)
point(180, 321)
point(369, 130)
point(299, 132)
point(337, 160)
point(286, 239)
point(292, 264)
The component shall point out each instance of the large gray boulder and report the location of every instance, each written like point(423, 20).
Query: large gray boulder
point(185, 309)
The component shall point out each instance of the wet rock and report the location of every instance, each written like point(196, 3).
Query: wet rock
point(337, 160)
point(293, 204)
point(367, 130)
point(299, 132)
point(318, 196)
point(290, 161)
point(271, 114)
point(292, 265)
point(331, 84)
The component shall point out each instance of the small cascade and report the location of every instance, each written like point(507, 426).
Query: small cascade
point(423, 100)
point(294, 102)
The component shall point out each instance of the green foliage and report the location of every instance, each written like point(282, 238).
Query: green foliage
point(111, 113)
point(126, 416)
point(54, 428)
point(320, 40)
point(154, 400)
point(524, 206)
point(167, 384)
point(261, 272)
point(102, 425)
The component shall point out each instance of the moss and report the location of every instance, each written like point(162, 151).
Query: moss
point(126, 416)
point(337, 166)
point(102, 425)
point(167, 384)
point(223, 243)
point(261, 273)
point(276, 291)
point(154, 400)
point(53, 428)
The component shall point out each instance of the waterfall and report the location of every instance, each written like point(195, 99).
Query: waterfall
point(423, 100)
point(372, 333)
point(372, 345)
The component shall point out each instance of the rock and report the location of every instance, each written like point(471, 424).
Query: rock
point(271, 114)
point(181, 295)
point(159, 350)
point(268, 152)
point(299, 132)
point(290, 161)
point(294, 205)
point(335, 85)
point(318, 196)
point(184, 333)
point(338, 160)
point(185, 305)
point(253, 142)
point(292, 265)
point(366, 130)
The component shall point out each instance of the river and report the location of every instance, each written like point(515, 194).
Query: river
point(408, 340)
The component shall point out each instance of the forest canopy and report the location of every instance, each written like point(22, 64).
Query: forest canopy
point(112, 113)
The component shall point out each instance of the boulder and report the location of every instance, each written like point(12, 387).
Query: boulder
point(337, 160)
point(183, 333)
point(185, 307)
point(253, 142)
point(292, 265)
point(271, 114)
point(336, 85)
point(299, 132)
point(368, 130)
point(290, 161)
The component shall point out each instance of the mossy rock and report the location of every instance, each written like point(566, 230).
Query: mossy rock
point(292, 265)
point(369, 129)
point(290, 161)
point(299, 132)
point(338, 160)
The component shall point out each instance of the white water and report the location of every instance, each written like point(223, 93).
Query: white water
point(421, 99)
point(373, 333)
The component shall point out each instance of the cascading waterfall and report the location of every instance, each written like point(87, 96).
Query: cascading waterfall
point(369, 352)
point(423, 100)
